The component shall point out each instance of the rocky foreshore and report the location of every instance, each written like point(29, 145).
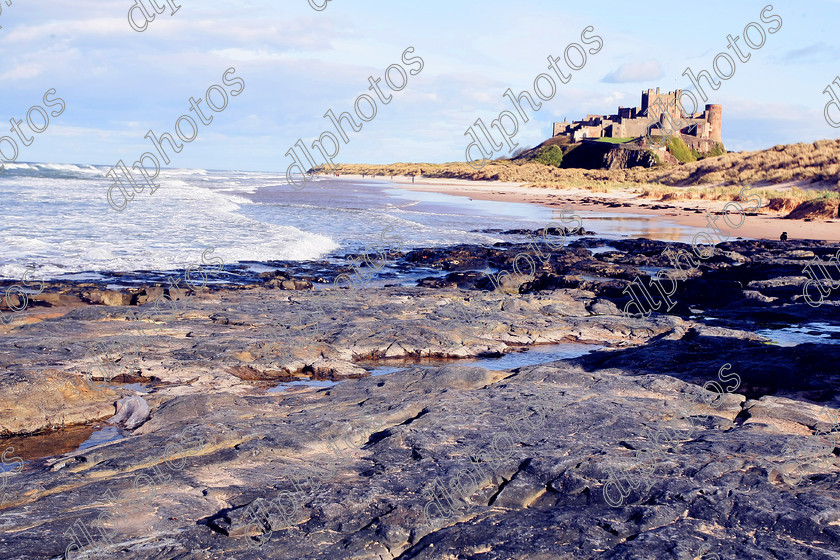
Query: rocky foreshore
point(646, 448)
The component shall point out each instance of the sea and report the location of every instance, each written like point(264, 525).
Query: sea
point(56, 219)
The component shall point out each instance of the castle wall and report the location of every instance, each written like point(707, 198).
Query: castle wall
point(587, 132)
point(562, 128)
point(634, 127)
point(700, 130)
point(699, 144)
point(626, 113)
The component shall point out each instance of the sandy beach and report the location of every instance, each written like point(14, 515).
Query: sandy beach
point(767, 225)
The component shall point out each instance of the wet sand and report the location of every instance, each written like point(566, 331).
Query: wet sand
point(766, 225)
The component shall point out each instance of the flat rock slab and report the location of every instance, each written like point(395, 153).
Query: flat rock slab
point(446, 462)
point(264, 335)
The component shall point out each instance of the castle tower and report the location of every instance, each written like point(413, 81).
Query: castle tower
point(646, 100)
point(714, 117)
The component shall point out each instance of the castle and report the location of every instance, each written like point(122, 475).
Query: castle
point(659, 110)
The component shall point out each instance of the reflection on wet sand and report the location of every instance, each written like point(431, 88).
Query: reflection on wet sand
point(636, 225)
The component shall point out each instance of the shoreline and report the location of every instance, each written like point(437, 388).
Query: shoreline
point(766, 225)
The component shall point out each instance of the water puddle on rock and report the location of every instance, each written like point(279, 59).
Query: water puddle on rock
point(304, 383)
point(58, 441)
point(530, 356)
point(48, 444)
point(139, 387)
point(596, 279)
point(817, 333)
point(651, 270)
point(102, 434)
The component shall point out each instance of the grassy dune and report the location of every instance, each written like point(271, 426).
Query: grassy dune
point(790, 175)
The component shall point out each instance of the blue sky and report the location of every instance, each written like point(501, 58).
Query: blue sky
point(297, 63)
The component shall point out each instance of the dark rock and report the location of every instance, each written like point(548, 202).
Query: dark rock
point(150, 294)
point(508, 464)
point(57, 300)
point(110, 297)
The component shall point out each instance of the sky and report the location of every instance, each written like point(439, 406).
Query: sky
point(297, 63)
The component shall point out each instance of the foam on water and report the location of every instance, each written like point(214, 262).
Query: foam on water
point(56, 217)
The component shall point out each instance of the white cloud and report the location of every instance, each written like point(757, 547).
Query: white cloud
point(635, 72)
point(22, 72)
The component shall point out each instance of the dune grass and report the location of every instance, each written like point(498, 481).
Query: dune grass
point(816, 165)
